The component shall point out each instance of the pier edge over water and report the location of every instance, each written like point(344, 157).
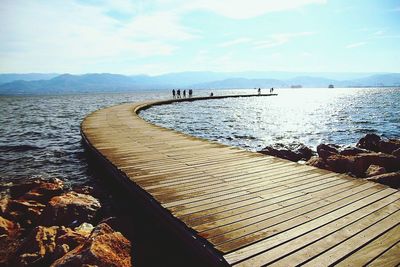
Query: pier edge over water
point(232, 206)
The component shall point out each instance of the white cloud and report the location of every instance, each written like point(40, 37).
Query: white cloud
point(234, 42)
point(354, 45)
point(67, 36)
point(239, 9)
point(378, 33)
point(280, 39)
point(71, 36)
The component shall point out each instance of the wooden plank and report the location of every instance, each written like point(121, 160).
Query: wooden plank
point(256, 229)
point(308, 224)
point(350, 245)
point(389, 258)
point(373, 249)
point(289, 247)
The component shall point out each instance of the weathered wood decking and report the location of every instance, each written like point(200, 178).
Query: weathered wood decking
point(243, 208)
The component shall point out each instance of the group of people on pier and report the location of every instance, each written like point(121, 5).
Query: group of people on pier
point(270, 90)
point(177, 93)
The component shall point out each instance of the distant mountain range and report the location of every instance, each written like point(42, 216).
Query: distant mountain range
point(36, 83)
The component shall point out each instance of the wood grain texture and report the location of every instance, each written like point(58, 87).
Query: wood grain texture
point(249, 208)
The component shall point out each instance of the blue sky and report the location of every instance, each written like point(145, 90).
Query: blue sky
point(160, 36)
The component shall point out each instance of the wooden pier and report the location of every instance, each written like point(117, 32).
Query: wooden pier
point(234, 207)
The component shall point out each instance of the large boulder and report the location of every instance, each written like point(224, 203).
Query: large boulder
point(389, 146)
point(292, 152)
point(104, 247)
point(339, 163)
point(26, 212)
point(46, 244)
point(38, 247)
point(370, 142)
point(326, 150)
point(44, 191)
point(364, 160)
point(39, 189)
point(70, 208)
point(391, 179)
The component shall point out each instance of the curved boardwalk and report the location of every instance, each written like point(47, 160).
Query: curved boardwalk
point(242, 208)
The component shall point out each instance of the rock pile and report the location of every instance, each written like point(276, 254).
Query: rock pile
point(42, 224)
point(292, 152)
point(374, 158)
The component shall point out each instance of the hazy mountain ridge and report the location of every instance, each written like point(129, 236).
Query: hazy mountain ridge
point(106, 82)
point(11, 77)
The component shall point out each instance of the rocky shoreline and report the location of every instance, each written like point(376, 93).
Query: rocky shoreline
point(44, 224)
point(373, 158)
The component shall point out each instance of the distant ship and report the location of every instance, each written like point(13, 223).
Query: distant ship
point(331, 86)
point(296, 86)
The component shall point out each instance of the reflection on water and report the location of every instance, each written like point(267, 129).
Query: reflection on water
point(310, 116)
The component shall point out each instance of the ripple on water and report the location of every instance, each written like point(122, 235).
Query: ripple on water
point(310, 116)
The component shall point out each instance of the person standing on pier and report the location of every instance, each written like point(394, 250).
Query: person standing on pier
point(184, 93)
point(173, 93)
point(259, 91)
point(178, 93)
point(190, 93)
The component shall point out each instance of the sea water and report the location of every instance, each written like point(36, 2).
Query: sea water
point(40, 135)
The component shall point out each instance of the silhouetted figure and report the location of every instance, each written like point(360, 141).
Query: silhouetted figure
point(259, 91)
point(178, 93)
point(212, 94)
point(190, 92)
point(272, 89)
point(173, 93)
point(184, 93)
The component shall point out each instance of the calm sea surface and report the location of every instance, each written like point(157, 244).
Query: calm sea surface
point(39, 135)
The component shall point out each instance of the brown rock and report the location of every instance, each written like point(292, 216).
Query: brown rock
point(70, 207)
point(396, 153)
point(44, 191)
point(292, 152)
point(8, 248)
point(70, 237)
point(26, 212)
point(352, 151)
point(389, 146)
point(318, 163)
point(8, 228)
point(374, 170)
point(340, 164)
point(104, 247)
point(18, 190)
point(364, 160)
point(369, 142)
point(327, 150)
point(46, 244)
point(38, 247)
point(3, 205)
point(391, 179)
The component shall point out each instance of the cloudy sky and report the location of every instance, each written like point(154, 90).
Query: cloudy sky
point(159, 36)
